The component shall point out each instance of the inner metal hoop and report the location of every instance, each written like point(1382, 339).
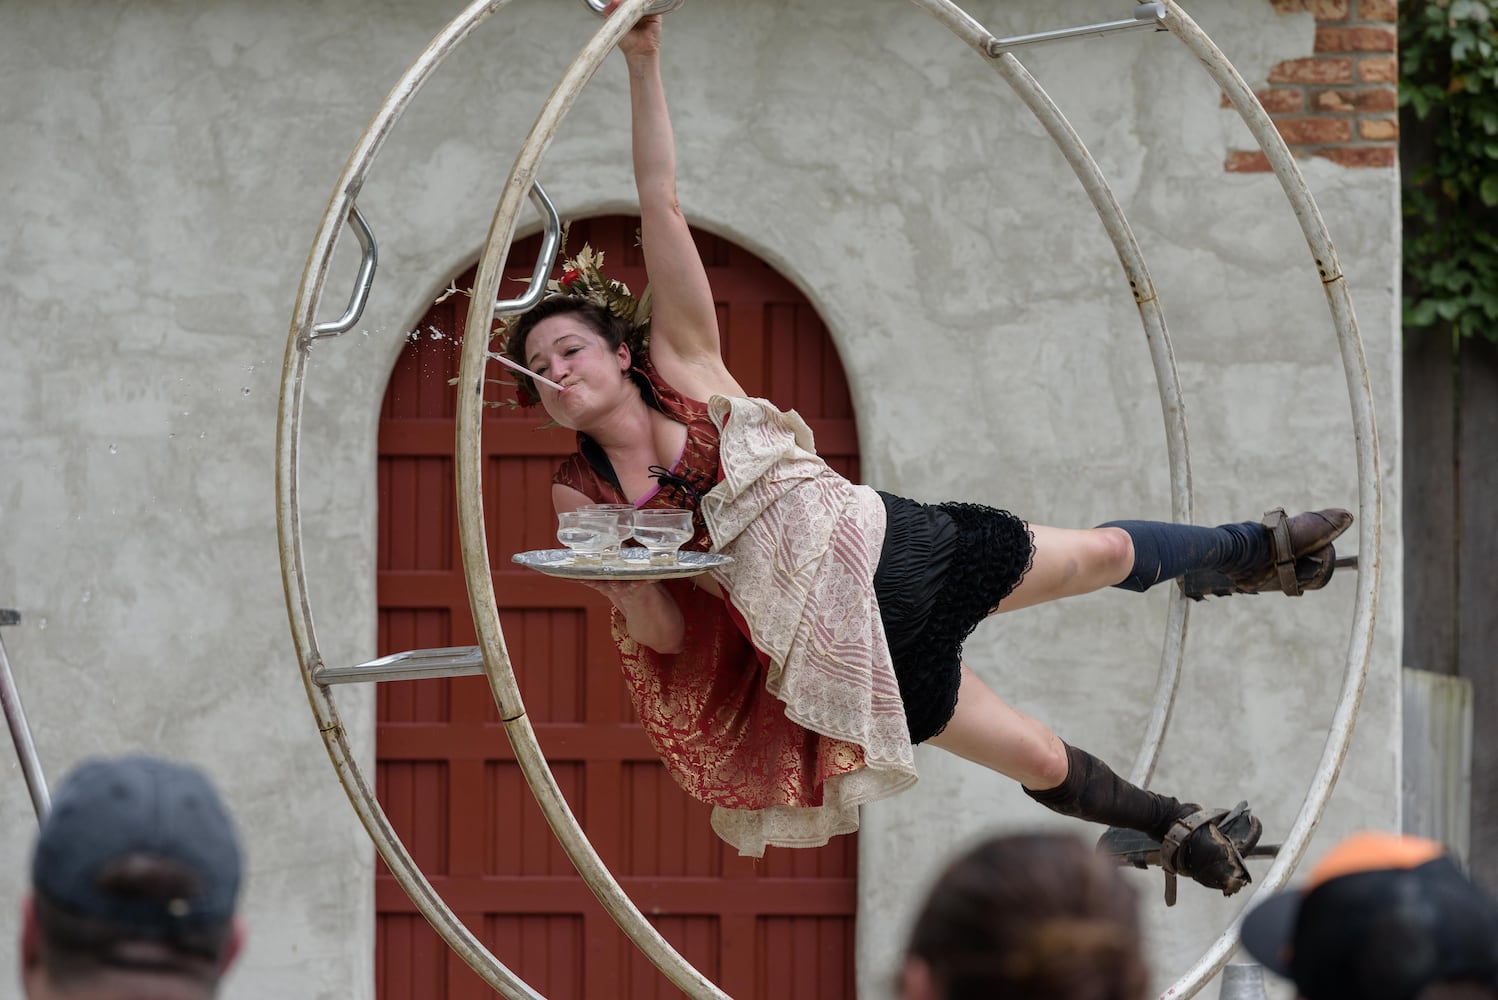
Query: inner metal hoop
point(524, 173)
point(293, 561)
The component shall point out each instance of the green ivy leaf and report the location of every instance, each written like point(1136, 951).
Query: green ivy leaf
point(1448, 62)
point(1421, 315)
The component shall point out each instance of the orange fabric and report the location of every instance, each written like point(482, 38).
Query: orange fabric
point(1372, 851)
point(723, 737)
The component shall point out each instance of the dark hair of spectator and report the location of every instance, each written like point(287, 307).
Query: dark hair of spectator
point(1032, 916)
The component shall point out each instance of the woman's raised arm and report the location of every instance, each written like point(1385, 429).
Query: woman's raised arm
point(684, 338)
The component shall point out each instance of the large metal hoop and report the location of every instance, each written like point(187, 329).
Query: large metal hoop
point(496, 660)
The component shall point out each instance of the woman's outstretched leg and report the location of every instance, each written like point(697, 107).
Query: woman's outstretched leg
point(1281, 553)
point(1070, 561)
point(988, 731)
point(1136, 555)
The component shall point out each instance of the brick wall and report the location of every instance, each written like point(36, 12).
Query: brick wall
point(1341, 101)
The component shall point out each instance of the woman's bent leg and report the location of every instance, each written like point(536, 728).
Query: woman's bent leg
point(988, 731)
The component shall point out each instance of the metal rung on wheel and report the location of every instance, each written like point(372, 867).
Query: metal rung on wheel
point(415, 664)
point(1146, 15)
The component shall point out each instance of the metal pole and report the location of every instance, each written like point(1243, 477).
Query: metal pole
point(20, 732)
point(1243, 981)
point(1146, 15)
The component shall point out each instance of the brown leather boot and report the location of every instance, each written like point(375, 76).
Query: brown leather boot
point(1301, 558)
point(1198, 846)
point(1205, 845)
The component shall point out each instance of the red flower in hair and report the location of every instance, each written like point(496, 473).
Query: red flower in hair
point(568, 277)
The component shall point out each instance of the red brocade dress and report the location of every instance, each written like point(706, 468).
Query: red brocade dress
point(782, 710)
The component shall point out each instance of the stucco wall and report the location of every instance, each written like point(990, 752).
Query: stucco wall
point(165, 166)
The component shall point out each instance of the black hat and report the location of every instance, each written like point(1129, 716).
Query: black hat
point(1381, 917)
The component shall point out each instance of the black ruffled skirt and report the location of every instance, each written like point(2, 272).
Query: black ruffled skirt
point(942, 570)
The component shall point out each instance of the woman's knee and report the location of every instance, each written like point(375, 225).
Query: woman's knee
point(1052, 763)
point(1113, 553)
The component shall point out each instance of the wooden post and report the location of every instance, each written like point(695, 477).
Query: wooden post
point(1431, 503)
point(1437, 794)
point(1477, 585)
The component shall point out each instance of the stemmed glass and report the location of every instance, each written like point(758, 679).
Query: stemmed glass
point(625, 513)
point(663, 531)
point(588, 533)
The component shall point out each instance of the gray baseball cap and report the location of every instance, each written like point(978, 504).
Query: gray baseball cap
point(109, 810)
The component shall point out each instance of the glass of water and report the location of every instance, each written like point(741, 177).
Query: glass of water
point(625, 513)
point(588, 533)
point(663, 531)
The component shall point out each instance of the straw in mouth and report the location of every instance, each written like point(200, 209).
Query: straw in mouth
point(526, 371)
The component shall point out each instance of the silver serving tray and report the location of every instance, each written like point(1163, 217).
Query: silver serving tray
point(634, 564)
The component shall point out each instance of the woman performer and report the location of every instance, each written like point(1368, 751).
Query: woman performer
point(787, 687)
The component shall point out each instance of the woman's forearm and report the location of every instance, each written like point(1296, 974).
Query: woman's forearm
point(653, 145)
point(651, 616)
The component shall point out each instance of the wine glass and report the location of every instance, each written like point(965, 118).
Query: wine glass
point(588, 533)
point(625, 512)
point(663, 531)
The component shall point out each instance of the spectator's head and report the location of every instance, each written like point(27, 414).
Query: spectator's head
point(1028, 916)
point(134, 881)
point(1381, 917)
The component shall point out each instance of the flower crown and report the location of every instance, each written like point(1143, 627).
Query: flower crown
point(583, 278)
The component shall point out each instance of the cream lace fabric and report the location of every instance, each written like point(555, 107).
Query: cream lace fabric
point(805, 544)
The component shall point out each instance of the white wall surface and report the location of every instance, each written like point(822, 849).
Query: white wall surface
point(164, 167)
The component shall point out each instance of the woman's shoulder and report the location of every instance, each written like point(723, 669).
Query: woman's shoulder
point(587, 471)
point(572, 472)
point(695, 381)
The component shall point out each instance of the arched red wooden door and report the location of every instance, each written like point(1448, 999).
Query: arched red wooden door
point(779, 928)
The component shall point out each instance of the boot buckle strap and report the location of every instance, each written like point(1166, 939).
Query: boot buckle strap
point(1278, 524)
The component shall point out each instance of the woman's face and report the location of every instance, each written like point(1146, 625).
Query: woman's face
point(568, 351)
